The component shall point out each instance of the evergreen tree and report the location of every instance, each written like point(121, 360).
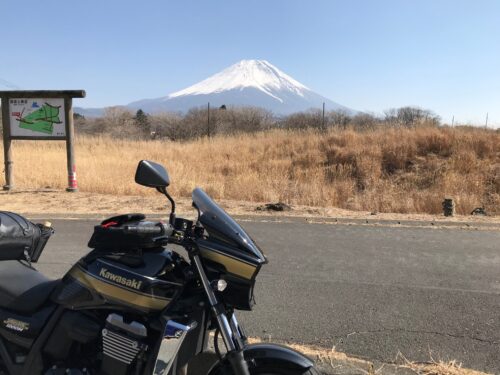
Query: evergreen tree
point(142, 120)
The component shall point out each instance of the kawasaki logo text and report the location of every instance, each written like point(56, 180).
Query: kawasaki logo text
point(131, 283)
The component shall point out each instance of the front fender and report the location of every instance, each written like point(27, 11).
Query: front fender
point(266, 355)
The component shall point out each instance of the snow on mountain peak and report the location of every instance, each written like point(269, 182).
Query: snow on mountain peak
point(255, 83)
point(258, 74)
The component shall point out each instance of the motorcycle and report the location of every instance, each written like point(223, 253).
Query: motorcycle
point(132, 306)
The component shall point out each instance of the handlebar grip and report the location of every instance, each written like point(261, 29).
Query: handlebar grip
point(143, 229)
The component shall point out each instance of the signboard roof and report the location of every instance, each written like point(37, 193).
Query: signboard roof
point(43, 94)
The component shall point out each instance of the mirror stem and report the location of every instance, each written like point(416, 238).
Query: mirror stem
point(172, 212)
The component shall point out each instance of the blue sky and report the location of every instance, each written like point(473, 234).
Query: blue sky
point(368, 55)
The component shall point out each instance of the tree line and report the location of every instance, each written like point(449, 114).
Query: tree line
point(198, 122)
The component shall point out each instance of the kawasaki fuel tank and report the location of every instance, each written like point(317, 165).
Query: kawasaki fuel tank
point(147, 282)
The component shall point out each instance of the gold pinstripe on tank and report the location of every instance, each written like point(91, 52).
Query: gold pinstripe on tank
point(119, 293)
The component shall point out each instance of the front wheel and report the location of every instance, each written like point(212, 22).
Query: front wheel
point(270, 359)
point(204, 361)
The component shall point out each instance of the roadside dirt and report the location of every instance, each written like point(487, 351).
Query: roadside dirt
point(67, 204)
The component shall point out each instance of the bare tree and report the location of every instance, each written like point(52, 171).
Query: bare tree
point(338, 119)
point(244, 119)
point(364, 121)
point(303, 120)
point(164, 125)
point(411, 117)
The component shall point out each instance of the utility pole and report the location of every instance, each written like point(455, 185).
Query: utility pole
point(453, 120)
point(208, 120)
point(486, 123)
point(324, 116)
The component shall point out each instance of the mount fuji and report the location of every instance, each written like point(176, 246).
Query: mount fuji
point(255, 83)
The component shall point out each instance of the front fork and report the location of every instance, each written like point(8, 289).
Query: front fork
point(232, 334)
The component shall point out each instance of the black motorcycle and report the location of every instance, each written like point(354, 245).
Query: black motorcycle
point(130, 306)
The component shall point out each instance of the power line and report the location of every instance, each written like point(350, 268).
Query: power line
point(9, 84)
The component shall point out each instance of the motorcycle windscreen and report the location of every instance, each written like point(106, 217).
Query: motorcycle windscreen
point(222, 227)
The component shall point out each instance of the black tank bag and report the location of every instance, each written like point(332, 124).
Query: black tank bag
point(20, 239)
point(110, 237)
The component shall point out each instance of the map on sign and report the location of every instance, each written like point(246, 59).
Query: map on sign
point(37, 118)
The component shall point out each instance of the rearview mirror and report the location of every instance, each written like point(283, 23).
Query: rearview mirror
point(151, 174)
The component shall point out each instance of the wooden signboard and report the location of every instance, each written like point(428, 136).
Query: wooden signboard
point(39, 115)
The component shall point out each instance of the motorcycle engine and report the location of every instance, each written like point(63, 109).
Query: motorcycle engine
point(123, 346)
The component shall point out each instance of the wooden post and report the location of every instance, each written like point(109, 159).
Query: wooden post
point(7, 151)
point(70, 152)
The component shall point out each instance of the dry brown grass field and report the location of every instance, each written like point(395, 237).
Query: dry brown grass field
point(384, 170)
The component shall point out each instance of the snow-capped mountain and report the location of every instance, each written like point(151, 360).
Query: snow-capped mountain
point(247, 83)
point(255, 83)
point(258, 74)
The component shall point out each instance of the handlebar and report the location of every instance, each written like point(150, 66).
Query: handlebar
point(178, 233)
point(147, 228)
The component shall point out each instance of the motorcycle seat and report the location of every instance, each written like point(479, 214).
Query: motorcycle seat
point(23, 289)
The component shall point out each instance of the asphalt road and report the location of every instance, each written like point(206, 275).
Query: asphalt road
point(370, 291)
